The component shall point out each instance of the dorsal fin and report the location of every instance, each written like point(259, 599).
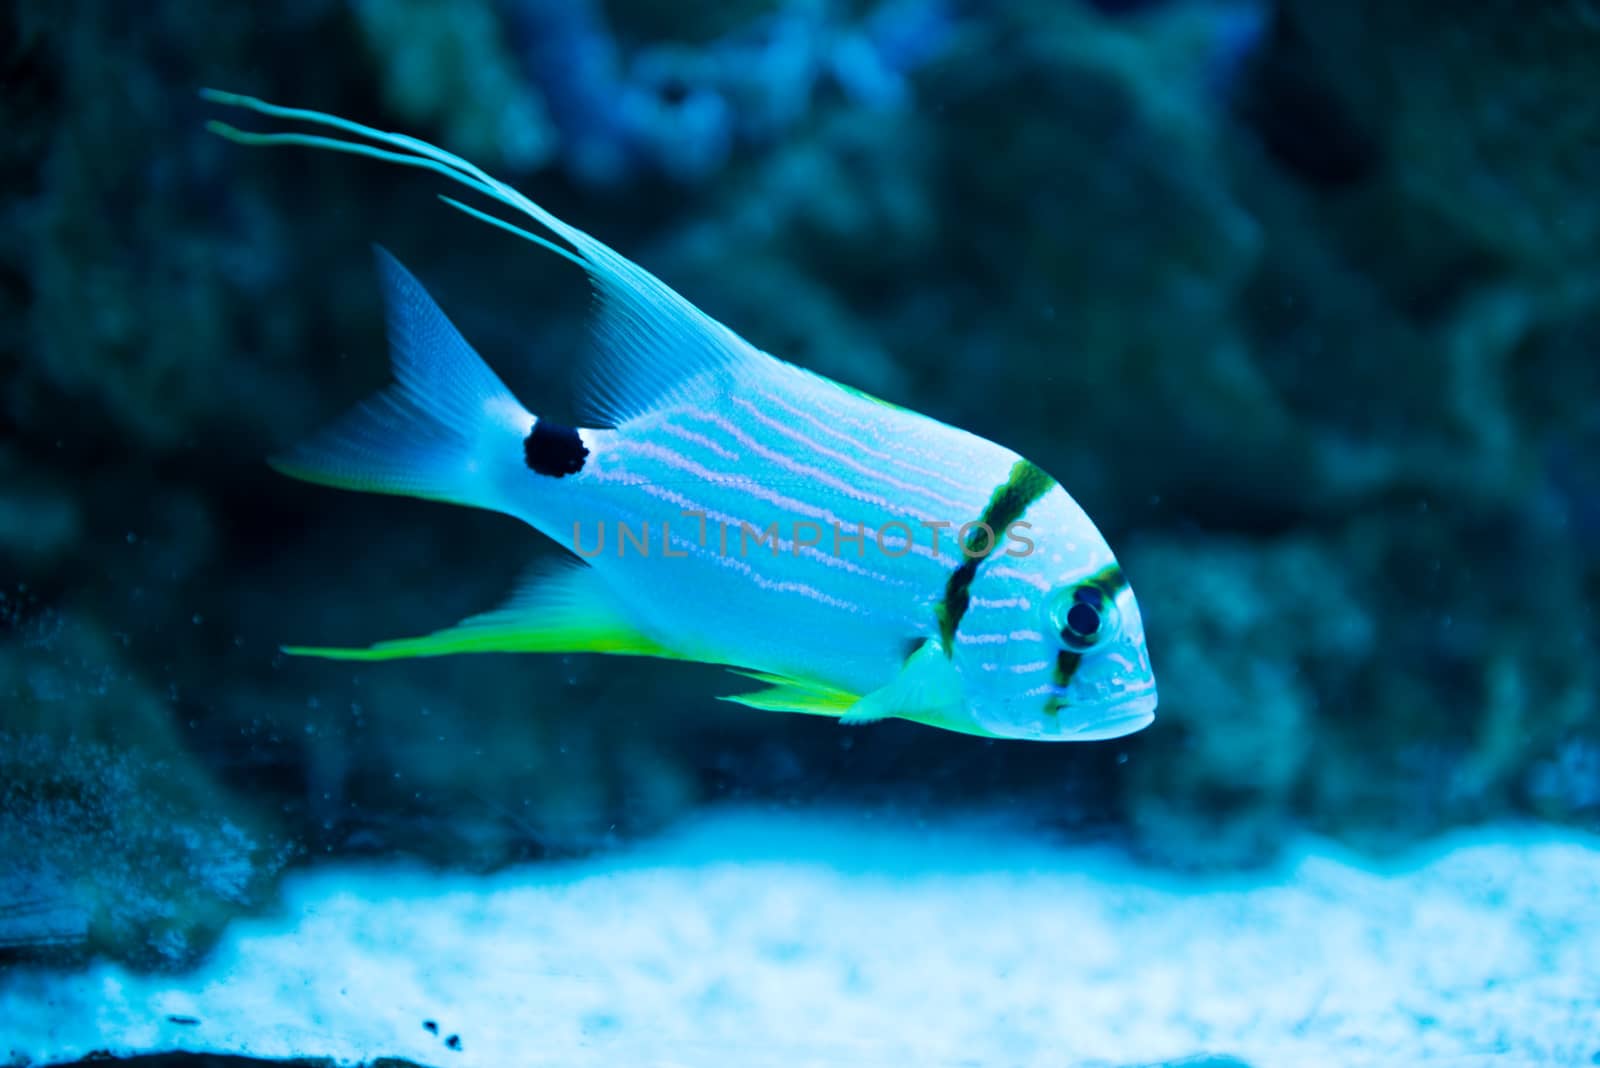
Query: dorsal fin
point(655, 347)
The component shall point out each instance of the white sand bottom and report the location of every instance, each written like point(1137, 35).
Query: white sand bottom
point(751, 938)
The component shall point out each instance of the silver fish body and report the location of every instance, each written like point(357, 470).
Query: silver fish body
point(858, 559)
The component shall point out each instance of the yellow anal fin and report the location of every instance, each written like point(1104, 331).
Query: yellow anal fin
point(568, 608)
point(784, 694)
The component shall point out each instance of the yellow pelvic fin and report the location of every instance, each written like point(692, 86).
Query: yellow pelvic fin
point(567, 608)
point(927, 688)
point(784, 694)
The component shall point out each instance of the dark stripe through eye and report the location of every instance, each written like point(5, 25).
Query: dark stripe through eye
point(1066, 666)
point(1109, 581)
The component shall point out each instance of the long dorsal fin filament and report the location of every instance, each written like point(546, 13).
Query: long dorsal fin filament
point(655, 346)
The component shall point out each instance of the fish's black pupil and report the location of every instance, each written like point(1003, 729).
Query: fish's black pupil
point(1083, 620)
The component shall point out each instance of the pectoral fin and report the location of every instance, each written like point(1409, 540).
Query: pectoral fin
point(927, 687)
point(567, 608)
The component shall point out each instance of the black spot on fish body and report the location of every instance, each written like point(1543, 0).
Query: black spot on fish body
point(453, 1042)
point(554, 450)
point(184, 1021)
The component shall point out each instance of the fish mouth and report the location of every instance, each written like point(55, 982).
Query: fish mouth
point(1114, 719)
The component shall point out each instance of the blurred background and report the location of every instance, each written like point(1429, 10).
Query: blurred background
point(1298, 299)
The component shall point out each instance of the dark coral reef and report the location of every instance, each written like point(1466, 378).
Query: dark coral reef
point(1300, 300)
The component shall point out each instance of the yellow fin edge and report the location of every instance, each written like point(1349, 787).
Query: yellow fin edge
point(785, 694)
point(564, 609)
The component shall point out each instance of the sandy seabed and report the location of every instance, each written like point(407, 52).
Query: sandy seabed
point(759, 938)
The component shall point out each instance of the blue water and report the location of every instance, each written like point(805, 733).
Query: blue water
point(1300, 300)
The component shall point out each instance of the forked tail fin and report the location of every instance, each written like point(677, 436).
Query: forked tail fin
point(440, 432)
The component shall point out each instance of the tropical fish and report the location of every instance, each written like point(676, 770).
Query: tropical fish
point(856, 559)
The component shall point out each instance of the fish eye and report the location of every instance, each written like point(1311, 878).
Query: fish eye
point(1083, 621)
point(1083, 617)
